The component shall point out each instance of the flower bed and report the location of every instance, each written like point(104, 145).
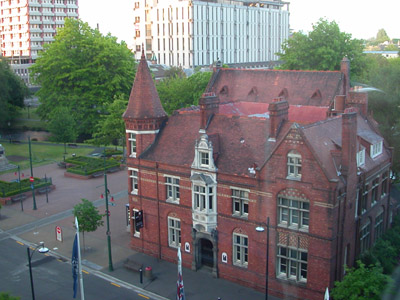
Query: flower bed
point(88, 165)
point(8, 189)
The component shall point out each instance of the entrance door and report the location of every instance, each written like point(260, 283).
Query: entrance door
point(207, 256)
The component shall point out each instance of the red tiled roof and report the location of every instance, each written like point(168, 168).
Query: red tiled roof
point(301, 114)
point(241, 140)
point(144, 102)
point(316, 88)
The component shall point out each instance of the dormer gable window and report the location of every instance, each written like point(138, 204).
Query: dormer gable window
point(376, 149)
point(294, 165)
point(203, 158)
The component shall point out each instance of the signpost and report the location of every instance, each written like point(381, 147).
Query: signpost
point(59, 233)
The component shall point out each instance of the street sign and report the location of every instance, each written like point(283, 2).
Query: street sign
point(31, 179)
point(58, 233)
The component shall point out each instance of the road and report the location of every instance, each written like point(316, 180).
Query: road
point(52, 277)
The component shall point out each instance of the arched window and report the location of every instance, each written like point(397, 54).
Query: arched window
point(294, 165)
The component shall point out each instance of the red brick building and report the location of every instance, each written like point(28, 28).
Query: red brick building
point(294, 147)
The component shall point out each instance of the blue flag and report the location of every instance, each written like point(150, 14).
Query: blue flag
point(74, 263)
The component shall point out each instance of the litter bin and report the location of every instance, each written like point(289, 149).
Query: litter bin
point(148, 272)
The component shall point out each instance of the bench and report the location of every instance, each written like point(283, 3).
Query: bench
point(43, 190)
point(113, 169)
point(73, 145)
point(16, 142)
point(62, 164)
point(98, 174)
point(18, 197)
point(133, 265)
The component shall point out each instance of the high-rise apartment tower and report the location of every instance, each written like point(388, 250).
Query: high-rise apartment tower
point(26, 25)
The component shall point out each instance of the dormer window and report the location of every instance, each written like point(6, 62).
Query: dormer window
point(204, 159)
point(376, 149)
point(361, 157)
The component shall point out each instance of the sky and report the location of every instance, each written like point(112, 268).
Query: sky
point(361, 18)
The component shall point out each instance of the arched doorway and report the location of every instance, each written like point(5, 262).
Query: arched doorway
point(206, 253)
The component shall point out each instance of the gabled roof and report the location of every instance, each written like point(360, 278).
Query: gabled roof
point(242, 141)
point(317, 88)
point(144, 102)
point(325, 138)
point(301, 114)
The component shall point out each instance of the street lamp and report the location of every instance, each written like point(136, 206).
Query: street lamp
point(106, 191)
point(261, 229)
point(42, 249)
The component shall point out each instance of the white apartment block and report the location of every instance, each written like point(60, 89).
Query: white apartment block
point(192, 33)
point(26, 25)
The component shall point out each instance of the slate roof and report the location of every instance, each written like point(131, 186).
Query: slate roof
point(301, 114)
point(144, 102)
point(317, 88)
point(326, 137)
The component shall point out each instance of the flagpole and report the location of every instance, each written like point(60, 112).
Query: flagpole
point(79, 261)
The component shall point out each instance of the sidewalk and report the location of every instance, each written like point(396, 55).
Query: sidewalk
point(199, 285)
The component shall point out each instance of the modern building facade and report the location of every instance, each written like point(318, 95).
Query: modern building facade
point(26, 25)
point(192, 33)
point(294, 152)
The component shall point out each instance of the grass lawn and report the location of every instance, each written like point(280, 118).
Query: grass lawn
point(42, 154)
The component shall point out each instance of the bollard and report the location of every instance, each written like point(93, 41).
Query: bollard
point(141, 275)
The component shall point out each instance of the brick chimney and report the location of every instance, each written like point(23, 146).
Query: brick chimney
point(278, 113)
point(345, 69)
point(209, 105)
point(349, 141)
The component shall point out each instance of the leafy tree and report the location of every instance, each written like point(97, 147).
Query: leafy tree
point(322, 49)
point(382, 36)
point(361, 283)
point(7, 296)
point(12, 93)
point(174, 72)
point(176, 92)
point(82, 70)
point(88, 216)
point(384, 74)
point(62, 125)
point(111, 127)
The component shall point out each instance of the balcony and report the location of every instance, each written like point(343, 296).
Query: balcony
point(36, 39)
point(49, 30)
point(58, 5)
point(72, 14)
point(48, 39)
point(35, 21)
point(47, 5)
point(72, 6)
point(50, 22)
point(60, 14)
point(35, 13)
point(60, 21)
point(35, 30)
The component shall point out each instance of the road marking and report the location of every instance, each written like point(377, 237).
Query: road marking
point(20, 243)
point(47, 254)
point(143, 296)
point(60, 260)
point(84, 271)
point(115, 284)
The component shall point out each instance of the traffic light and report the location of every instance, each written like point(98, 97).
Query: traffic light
point(138, 219)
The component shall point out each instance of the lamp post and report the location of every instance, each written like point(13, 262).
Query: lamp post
point(261, 229)
point(43, 249)
point(19, 182)
point(110, 264)
point(33, 184)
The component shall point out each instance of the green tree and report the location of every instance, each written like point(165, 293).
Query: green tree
point(322, 49)
point(176, 92)
point(82, 70)
point(111, 128)
point(174, 72)
point(12, 93)
point(384, 74)
point(88, 216)
point(361, 283)
point(62, 125)
point(7, 296)
point(382, 36)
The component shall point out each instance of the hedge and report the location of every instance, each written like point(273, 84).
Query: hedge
point(8, 189)
point(89, 165)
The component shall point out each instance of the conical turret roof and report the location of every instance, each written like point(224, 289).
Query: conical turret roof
point(144, 102)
